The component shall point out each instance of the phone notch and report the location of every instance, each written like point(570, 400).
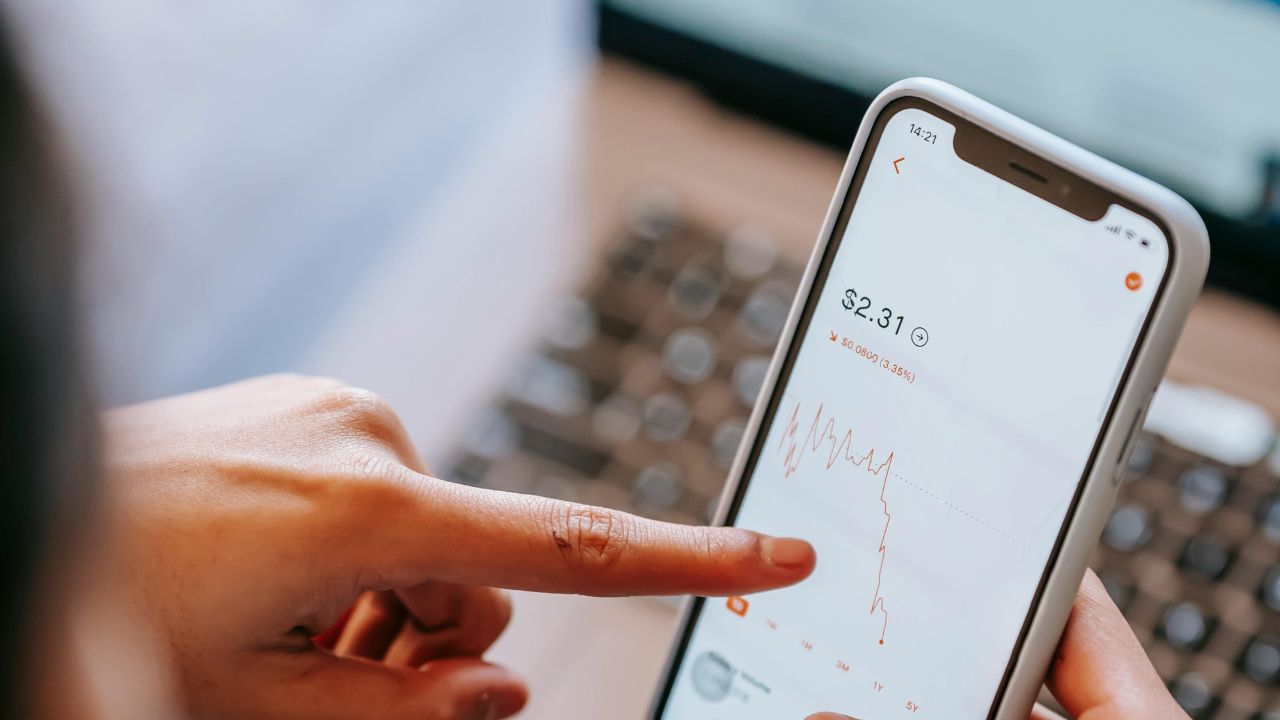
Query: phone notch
point(1026, 170)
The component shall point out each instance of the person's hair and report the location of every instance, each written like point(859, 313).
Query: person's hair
point(47, 488)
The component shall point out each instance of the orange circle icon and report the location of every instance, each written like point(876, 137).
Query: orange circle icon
point(1133, 281)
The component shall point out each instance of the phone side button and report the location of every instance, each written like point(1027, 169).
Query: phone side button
point(1130, 441)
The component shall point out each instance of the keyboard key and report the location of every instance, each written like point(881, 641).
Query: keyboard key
point(573, 324)
point(1261, 660)
point(551, 386)
point(1128, 529)
point(494, 436)
point(765, 312)
point(748, 377)
point(1269, 519)
point(1270, 590)
point(1194, 695)
point(666, 418)
point(1206, 556)
point(725, 441)
point(1203, 489)
point(1184, 626)
point(634, 257)
point(749, 252)
point(689, 355)
point(616, 420)
point(695, 292)
point(653, 213)
point(658, 487)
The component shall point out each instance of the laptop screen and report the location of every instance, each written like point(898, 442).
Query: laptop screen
point(1185, 91)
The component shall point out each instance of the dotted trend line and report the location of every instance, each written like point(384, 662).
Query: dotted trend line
point(965, 513)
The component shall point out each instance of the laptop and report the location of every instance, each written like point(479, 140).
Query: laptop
point(713, 135)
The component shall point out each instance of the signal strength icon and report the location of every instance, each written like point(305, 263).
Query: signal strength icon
point(1113, 229)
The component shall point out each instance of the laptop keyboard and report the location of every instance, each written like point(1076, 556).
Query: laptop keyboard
point(638, 395)
point(1192, 555)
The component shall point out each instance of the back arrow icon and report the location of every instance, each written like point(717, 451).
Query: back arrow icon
point(896, 171)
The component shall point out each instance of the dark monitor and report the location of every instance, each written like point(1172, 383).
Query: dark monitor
point(1184, 91)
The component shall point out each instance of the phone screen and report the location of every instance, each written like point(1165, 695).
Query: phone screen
point(941, 401)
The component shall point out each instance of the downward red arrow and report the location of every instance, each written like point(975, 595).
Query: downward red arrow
point(896, 171)
point(833, 337)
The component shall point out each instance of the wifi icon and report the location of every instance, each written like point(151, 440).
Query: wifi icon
point(1129, 234)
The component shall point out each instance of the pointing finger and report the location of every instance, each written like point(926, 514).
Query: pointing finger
point(471, 536)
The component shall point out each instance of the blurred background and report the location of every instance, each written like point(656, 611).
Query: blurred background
point(561, 237)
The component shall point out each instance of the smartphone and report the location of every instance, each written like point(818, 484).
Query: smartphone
point(969, 358)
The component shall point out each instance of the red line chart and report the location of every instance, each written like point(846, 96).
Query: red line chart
point(840, 449)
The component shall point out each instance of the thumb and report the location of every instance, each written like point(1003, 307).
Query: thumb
point(1101, 671)
point(320, 686)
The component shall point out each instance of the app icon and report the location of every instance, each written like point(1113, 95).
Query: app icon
point(1133, 281)
point(737, 606)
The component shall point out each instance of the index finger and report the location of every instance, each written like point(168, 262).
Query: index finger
point(472, 536)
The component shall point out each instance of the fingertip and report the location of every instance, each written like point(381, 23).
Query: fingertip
point(512, 703)
point(501, 703)
point(740, 561)
point(482, 690)
point(790, 554)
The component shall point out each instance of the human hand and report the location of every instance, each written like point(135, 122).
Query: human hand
point(252, 516)
point(1100, 671)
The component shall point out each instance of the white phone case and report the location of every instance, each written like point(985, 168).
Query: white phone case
point(1189, 245)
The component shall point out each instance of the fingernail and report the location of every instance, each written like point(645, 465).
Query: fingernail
point(787, 553)
point(497, 704)
point(487, 707)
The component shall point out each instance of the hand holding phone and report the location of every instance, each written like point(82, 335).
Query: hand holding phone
point(1101, 669)
point(972, 350)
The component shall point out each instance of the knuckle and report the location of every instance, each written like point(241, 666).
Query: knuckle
point(368, 425)
point(592, 539)
point(370, 492)
point(362, 411)
point(354, 402)
point(382, 483)
point(705, 543)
